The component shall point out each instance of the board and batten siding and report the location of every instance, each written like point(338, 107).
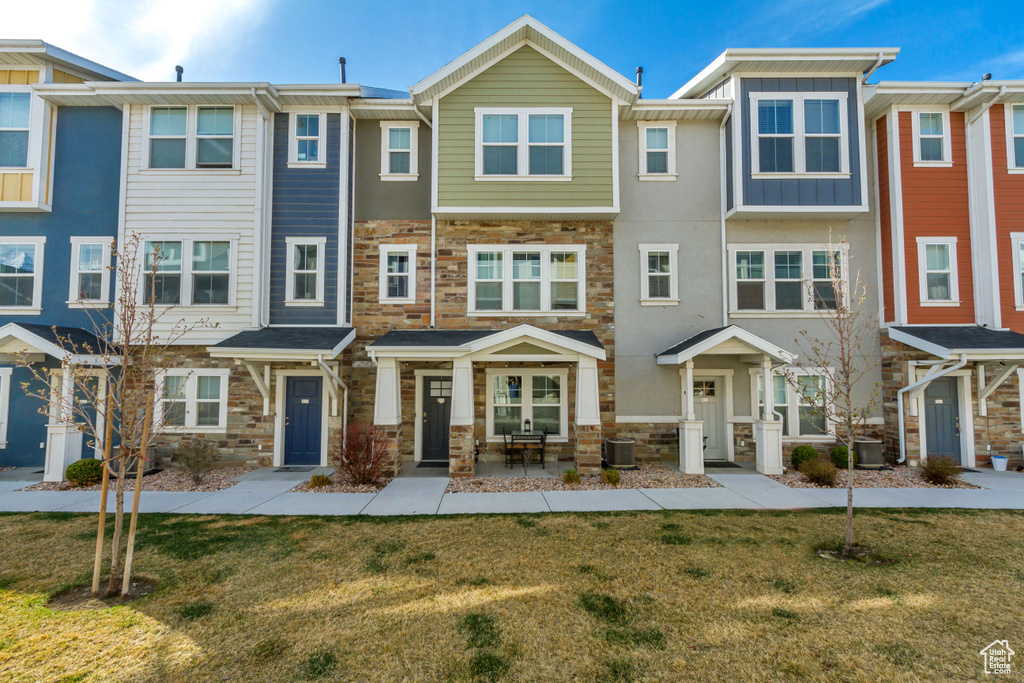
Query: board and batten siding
point(198, 204)
point(525, 78)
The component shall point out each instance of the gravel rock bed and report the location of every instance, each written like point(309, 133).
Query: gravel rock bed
point(896, 478)
point(339, 485)
point(649, 476)
point(170, 479)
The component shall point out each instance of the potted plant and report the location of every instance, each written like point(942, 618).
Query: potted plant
point(999, 462)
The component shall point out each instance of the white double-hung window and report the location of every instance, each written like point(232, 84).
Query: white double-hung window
point(657, 150)
point(399, 150)
point(21, 275)
point(527, 279)
point(659, 277)
point(191, 137)
point(90, 271)
point(533, 399)
point(799, 399)
point(932, 139)
point(15, 109)
point(524, 144)
point(937, 270)
point(1017, 246)
point(304, 283)
point(397, 273)
point(1015, 137)
point(191, 272)
point(307, 140)
point(799, 133)
point(192, 400)
point(787, 279)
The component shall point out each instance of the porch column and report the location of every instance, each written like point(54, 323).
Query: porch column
point(63, 438)
point(691, 430)
point(588, 417)
point(461, 453)
point(387, 410)
point(768, 430)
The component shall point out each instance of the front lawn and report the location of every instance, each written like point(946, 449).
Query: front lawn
point(645, 596)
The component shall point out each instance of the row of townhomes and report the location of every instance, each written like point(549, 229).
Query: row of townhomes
point(521, 240)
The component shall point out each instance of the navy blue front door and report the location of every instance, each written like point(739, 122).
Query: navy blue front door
point(302, 420)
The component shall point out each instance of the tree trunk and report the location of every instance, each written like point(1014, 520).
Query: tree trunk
point(139, 467)
point(848, 548)
point(115, 543)
point(98, 563)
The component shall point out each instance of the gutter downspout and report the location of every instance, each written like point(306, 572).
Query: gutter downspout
point(873, 69)
point(262, 318)
point(433, 264)
point(910, 387)
point(723, 178)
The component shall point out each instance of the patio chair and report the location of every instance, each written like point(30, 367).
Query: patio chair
point(511, 450)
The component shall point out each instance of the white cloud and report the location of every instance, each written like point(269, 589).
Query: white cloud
point(804, 18)
point(143, 39)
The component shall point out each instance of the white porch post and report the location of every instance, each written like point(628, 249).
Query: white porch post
point(768, 430)
point(63, 438)
point(691, 430)
point(461, 442)
point(387, 403)
point(462, 392)
point(588, 400)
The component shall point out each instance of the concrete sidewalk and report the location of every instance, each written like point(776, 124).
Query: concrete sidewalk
point(264, 492)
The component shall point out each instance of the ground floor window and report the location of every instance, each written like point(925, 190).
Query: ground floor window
point(192, 400)
point(799, 405)
point(527, 399)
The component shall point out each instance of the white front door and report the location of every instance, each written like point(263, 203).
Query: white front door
point(709, 408)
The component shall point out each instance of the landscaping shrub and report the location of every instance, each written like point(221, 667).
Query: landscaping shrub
point(940, 470)
point(197, 458)
point(820, 472)
point(570, 476)
point(802, 454)
point(611, 476)
point(362, 456)
point(84, 472)
point(319, 481)
point(840, 457)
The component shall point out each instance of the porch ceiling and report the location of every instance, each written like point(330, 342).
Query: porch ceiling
point(731, 340)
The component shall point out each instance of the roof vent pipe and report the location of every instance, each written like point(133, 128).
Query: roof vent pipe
point(986, 77)
point(179, 70)
point(640, 77)
point(341, 65)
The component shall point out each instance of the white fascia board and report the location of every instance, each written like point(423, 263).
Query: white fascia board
point(343, 343)
point(749, 338)
point(544, 336)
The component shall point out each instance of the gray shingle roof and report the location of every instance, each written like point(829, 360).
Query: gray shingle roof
point(292, 338)
point(444, 338)
point(965, 338)
point(692, 341)
point(68, 338)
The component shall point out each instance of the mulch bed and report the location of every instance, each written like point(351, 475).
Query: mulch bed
point(340, 485)
point(170, 479)
point(895, 478)
point(81, 598)
point(647, 476)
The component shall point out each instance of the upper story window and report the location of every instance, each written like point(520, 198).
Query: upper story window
point(192, 400)
point(304, 285)
point(191, 138)
point(399, 150)
point(397, 273)
point(1015, 136)
point(659, 278)
point(306, 139)
point(786, 279)
point(21, 275)
point(800, 133)
point(657, 150)
point(193, 272)
point(932, 145)
point(937, 270)
point(526, 279)
point(14, 129)
point(90, 271)
point(523, 144)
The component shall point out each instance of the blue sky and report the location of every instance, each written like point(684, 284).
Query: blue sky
point(394, 44)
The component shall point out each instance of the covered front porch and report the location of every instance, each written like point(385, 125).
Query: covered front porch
point(451, 398)
point(708, 363)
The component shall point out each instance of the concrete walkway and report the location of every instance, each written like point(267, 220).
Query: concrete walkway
point(265, 492)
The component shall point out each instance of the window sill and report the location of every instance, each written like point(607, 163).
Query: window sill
point(396, 302)
point(194, 430)
point(399, 177)
point(88, 305)
point(196, 308)
point(526, 314)
point(659, 302)
point(16, 169)
point(304, 304)
point(1015, 171)
point(551, 439)
point(800, 176)
point(20, 310)
point(780, 314)
point(935, 164)
point(189, 171)
point(820, 438)
point(936, 304)
point(528, 178)
point(307, 164)
point(664, 177)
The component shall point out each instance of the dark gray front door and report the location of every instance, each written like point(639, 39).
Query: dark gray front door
point(942, 418)
point(437, 412)
point(302, 420)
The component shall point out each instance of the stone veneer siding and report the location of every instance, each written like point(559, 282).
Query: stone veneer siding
point(373, 318)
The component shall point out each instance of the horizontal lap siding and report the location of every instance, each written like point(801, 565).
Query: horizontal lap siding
point(1009, 203)
point(526, 79)
point(305, 205)
point(936, 204)
point(197, 204)
point(885, 218)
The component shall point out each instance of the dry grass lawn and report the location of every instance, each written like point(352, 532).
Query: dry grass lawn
point(647, 596)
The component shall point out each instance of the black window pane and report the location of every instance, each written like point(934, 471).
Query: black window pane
point(90, 286)
point(824, 296)
point(167, 153)
point(788, 296)
point(931, 149)
point(750, 296)
point(545, 161)
point(214, 152)
point(305, 286)
point(563, 296)
point(398, 286)
point(822, 155)
point(14, 148)
point(1018, 150)
point(657, 162)
point(399, 162)
point(526, 296)
point(776, 155)
point(16, 291)
point(210, 289)
point(500, 160)
point(163, 289)
point(488, 296)
point(658, 286)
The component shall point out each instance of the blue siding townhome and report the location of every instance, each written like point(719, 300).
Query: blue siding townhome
point(59, 189)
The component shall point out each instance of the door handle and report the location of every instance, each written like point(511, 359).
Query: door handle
point(287, 422)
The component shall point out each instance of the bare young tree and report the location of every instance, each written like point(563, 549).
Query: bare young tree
point(111, 397)
point(846, 356)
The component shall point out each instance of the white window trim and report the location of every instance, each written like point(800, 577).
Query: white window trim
point(947, 135)
point(642, 127)
point(190, 399)
point(385, 250)
point(526, 390)
point(1017, 240)
point(673, 259)
point(922, 264)
point(545, 279)
point(1011, 160)
point(769, 279)
point(186, 269)
point(523, 143)
point(793, 402)
point(191, 116)
point(37, 288)
point(289, 284)
point(1020, 390)
point(293, 140)
point(73, 300)
point(414, 155)
point(799, 153)
point(5, 402)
